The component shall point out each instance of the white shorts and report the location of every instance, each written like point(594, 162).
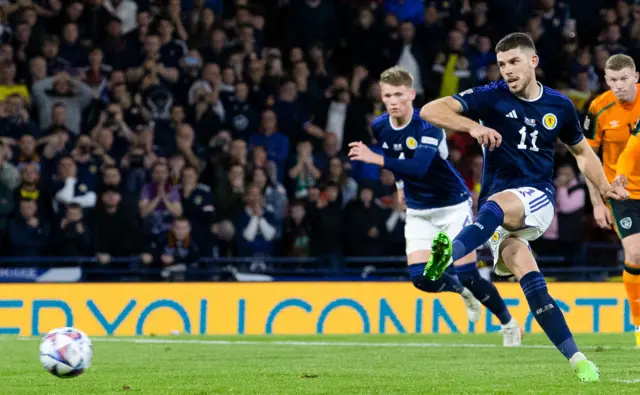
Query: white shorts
point(538, 214)
point(422, 226)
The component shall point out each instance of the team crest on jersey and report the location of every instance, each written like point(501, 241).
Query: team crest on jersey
point(412, 143)
point(550, 121)
point(198, 200)
point(82, 188)
point(495, 236)
point(625, 223)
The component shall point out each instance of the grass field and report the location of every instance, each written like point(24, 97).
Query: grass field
point(301, 365)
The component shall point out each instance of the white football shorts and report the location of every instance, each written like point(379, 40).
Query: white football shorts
point(422, 226)
point(538, 214)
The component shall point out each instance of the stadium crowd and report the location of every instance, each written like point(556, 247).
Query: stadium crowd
point(174, 130)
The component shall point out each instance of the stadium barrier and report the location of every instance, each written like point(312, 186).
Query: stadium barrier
point(591, 267)
point(286, 308)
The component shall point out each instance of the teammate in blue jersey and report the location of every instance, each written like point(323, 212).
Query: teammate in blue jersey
point(435, 196)
point(520, 120)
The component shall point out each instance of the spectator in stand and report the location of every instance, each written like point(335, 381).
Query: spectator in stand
point(303, 173)
point(197, 204)
point(275, 193)
point(297, 231)
point(451, 71)
point(73, 94)
point(365, 222)
point(116, 232)
point(28, 232)
point(70, 188)
point(275, 143)
point(326, 216)
point(159, 201)
point(124, 10)
point(72, 236)
point(16, 121)
point(30, 188)
point(8, 84)
point(337, 174)
point(256, 229)
point(176, 251)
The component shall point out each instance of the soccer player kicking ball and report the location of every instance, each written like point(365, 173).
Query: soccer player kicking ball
point(516, 200)
point(610, 125)
point(435, 195)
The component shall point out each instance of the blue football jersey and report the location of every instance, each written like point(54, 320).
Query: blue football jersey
point(529, 129)
point(441, 186)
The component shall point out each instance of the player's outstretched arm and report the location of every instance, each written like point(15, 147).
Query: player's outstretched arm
point(591, 167)
point(416, 167)
point(446, 113)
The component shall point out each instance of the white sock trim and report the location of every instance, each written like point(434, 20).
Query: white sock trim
point(577, 357)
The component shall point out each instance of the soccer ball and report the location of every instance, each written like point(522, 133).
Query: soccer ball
point(66, 352)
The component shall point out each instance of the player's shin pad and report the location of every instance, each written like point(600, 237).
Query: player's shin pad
point(440, 257)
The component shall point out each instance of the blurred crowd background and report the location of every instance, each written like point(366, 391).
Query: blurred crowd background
point(179, 130)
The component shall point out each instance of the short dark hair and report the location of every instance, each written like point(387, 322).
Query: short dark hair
point(515, 40)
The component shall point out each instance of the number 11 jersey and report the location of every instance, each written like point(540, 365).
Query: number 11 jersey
point(529, 130)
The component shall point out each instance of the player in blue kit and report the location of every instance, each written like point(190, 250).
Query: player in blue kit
point(435, 196)
point(520, 120)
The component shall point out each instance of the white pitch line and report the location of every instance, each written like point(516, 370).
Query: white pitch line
point(302, 343)
point(626, 381)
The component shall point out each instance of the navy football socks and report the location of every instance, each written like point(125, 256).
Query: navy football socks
point(447, 283)
point(547, 313)
point(473, 236)
point(483, 290)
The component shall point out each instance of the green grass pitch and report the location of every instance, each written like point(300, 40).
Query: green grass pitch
point(301, 365)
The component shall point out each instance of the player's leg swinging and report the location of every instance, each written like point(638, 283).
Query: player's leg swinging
point(505, 214)
point(518, 258)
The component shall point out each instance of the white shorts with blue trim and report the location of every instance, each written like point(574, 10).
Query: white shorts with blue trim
point(538, 214)
point(422, 226)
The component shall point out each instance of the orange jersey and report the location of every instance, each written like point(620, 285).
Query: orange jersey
point(629, 160)
point(609, 125)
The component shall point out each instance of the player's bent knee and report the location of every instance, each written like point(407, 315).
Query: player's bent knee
point(512, 207)
point(517, 256)
point(632, 250)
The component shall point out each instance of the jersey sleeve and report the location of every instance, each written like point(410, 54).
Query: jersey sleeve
point(428, 146)
point(592, 131)
point(571, 132)
point(631, 154)
point(477, 101)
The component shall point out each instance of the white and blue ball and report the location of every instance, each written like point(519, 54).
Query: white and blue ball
point(66, 352)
